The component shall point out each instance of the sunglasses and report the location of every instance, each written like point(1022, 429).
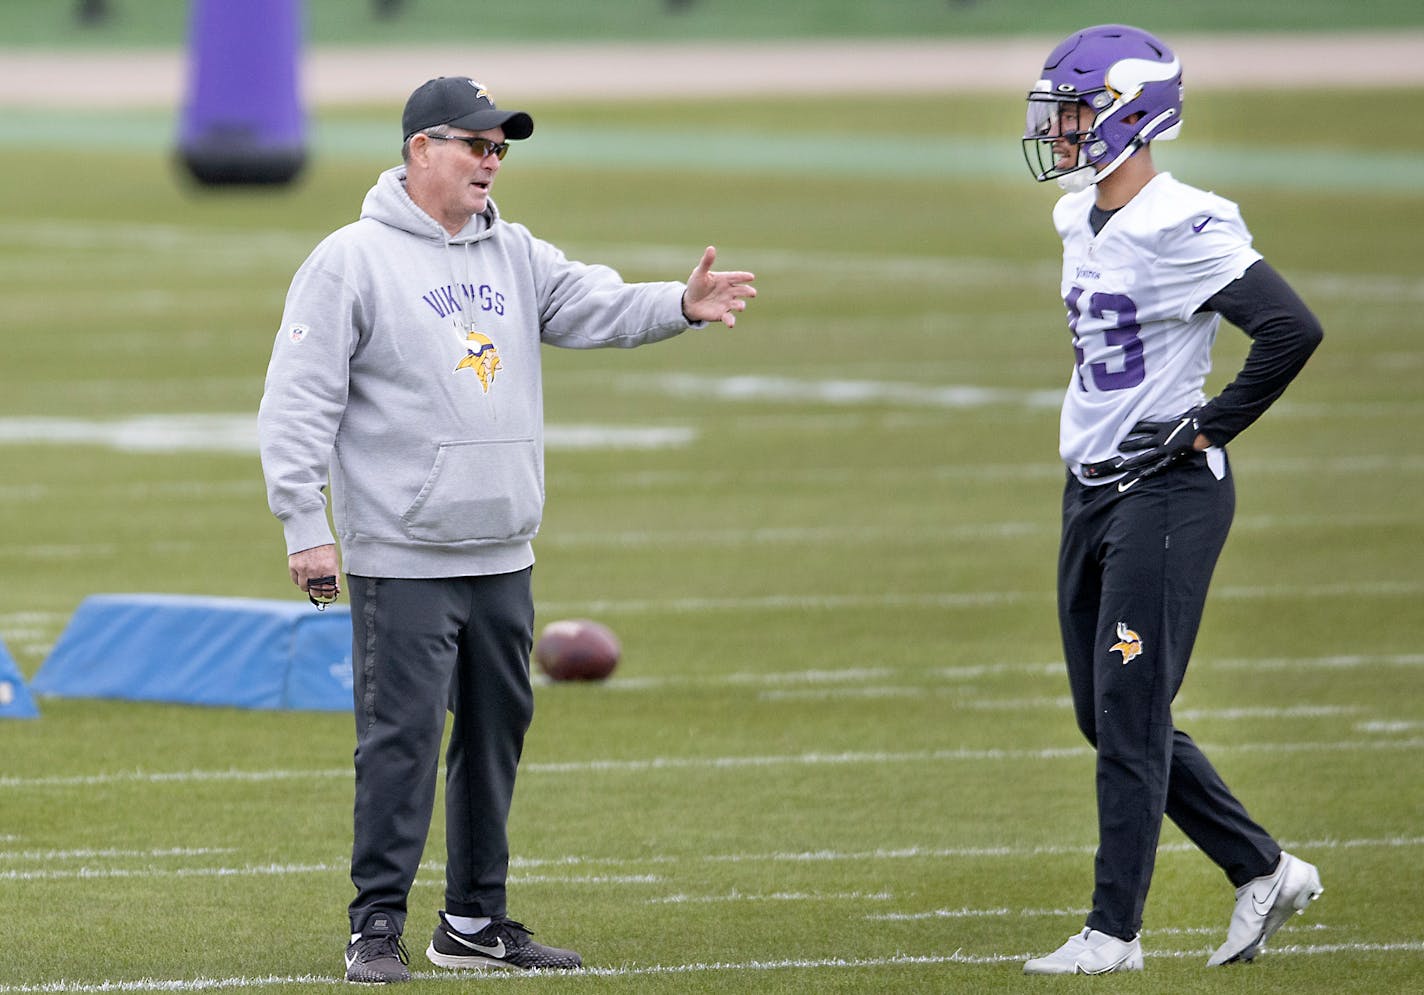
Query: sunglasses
point(481, 147)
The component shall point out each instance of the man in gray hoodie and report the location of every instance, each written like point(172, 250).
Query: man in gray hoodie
point(407, 372)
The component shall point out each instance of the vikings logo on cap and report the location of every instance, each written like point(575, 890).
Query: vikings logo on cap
point(1129, 644)
point(460, 102)
point(482, 357)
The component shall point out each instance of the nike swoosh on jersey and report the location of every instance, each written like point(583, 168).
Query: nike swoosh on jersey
point(1123, 485)
point(1205, 221)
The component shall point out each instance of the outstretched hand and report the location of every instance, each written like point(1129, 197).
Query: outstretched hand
point(712, 296)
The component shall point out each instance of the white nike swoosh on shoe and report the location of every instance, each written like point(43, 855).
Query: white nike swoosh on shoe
point(1262, 906)
point(496, 951)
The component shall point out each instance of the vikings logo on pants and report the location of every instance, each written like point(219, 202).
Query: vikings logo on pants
point(482, 357)
point(1129, 644)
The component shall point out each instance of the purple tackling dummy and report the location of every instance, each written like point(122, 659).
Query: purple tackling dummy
point(242, 120)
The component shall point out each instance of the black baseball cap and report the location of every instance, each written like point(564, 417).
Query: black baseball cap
point(462, 103)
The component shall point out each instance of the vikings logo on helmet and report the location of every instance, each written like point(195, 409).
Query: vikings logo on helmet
point(1129, 644)
point(482, 357)
point(1132, 85)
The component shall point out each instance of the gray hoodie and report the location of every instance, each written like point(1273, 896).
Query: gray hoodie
point(407, 369)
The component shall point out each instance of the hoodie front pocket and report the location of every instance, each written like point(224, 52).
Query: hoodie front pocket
point(479, 491)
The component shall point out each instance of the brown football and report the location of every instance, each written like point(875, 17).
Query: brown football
point(577, 649)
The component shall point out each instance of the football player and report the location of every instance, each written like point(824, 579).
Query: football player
point(1150, 267)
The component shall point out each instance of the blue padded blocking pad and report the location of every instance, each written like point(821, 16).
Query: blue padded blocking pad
point(239, 652)
point(15, 699)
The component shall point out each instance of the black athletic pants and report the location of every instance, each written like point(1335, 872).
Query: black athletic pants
point(420, 647)
point(1133, 573)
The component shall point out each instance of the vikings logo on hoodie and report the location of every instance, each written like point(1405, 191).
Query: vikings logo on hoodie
point(482, 357)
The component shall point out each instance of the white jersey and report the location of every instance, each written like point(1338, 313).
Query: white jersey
point(1132, 292)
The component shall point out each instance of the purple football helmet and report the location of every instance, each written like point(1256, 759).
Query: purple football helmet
point(1130, 82)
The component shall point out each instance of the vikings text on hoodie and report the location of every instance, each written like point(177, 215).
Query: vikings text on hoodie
point(407, 369)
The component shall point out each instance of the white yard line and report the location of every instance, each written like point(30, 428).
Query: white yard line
point(950, 600)
point(237, 433)
point(536, 869)
point(1044, 469)
point(660, 970)
point(879, 535)
point(1006, 913)
point(292, 870)
point(708, 538)
point(658, 764)
point(1055, 702)
point(147, 873)
point(821, 676)
point(779, 896)
point(9, 856)
point(889, 758)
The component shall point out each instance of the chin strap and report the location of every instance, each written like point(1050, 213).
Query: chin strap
point(1083, 177)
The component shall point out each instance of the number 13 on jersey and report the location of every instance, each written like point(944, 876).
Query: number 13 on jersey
point(1116, 316)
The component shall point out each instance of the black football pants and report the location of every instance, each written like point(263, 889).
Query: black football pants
point(1133, 573)
point(420, 647)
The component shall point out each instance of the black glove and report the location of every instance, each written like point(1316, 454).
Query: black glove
point(1156, 445)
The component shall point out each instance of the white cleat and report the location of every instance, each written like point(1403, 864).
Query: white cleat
point(1089, 952)
point(1263, 905)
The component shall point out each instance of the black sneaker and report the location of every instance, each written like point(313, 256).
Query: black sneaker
point(376, 955)
point(503, 943)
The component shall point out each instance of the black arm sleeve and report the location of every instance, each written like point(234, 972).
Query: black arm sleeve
point(1283, 335)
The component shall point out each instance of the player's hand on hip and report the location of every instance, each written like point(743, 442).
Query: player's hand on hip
point(716, 296)
point(1153, 447)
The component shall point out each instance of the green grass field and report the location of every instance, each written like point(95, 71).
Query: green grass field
point(838, 755)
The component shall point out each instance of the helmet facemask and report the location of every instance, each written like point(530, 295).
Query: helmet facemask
point(1056, 146)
